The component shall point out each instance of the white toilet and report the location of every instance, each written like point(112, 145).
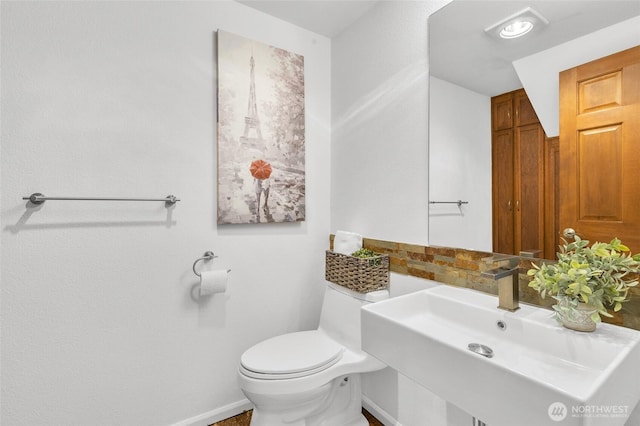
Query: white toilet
point(311, 378)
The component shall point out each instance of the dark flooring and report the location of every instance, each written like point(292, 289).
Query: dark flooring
point(244, 419)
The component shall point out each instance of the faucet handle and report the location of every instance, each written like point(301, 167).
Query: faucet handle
point(530, 253)
point(501, 272)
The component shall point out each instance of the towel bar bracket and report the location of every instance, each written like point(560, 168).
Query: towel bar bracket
point(35, 198)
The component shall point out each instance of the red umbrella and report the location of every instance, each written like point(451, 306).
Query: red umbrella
point(260, 169)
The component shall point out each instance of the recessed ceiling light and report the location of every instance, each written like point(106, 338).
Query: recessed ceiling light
point(516, 29)
point(517, 24)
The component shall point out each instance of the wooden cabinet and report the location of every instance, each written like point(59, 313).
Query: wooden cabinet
point(519, 176)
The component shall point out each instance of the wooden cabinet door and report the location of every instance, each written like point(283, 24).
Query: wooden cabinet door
point(600, 149)
point(503, 197)
point(529, 185)
point(502, 112)
point(524, 114)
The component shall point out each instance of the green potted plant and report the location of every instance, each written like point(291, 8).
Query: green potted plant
point(364, 253)
point(587, 280)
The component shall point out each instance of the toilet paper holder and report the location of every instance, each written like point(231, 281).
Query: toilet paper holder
point(208, 255)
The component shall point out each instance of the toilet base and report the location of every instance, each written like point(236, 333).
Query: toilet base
point(338, 402)
point(359, 421)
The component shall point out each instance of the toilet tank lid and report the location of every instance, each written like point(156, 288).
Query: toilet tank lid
point(372, 296)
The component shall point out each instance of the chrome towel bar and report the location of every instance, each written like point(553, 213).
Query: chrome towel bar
point(38, 198)
point(459, 202)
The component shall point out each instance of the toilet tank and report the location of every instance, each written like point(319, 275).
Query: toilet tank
point(340, 316)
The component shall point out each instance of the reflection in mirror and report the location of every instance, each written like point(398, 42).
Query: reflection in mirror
point(468, 66)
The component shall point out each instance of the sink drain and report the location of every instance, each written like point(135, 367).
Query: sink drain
point(481, 349)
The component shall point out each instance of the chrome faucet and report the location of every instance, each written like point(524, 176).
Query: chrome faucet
point(508, 284)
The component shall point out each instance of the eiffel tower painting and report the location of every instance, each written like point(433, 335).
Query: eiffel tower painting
point(251, 120)
point(261, 132)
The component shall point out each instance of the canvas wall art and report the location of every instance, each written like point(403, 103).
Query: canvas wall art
point(261, 132)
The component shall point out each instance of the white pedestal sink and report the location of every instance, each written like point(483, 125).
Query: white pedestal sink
point(540, 373)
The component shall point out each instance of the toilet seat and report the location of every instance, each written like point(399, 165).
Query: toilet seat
point(291, 355)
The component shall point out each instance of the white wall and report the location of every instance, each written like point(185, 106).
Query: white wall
point(380, 165)
point(459, 166)
point(98, 323)
point(539, 73)
point(379, 158)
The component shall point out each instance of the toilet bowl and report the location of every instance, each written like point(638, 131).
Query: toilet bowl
point(312, 378)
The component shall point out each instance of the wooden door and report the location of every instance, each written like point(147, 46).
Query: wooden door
point(600, 149)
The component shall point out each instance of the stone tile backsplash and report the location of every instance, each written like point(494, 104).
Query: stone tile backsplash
point(462, 268)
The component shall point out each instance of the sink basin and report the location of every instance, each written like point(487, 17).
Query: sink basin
point(537, 372)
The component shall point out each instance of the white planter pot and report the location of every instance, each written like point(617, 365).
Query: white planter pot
point(579, 318)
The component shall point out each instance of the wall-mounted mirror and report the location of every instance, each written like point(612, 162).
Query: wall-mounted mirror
point(469, 65)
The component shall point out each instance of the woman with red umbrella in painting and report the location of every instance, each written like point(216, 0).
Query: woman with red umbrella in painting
point(261, 171)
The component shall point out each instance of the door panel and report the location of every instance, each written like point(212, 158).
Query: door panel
point(599, 93)
point(599, 194)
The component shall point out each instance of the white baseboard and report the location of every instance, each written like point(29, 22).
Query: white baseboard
point(238, 407)
point(379, 413)
point(218, 414)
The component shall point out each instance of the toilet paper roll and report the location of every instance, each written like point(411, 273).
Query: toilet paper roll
point(212, 282)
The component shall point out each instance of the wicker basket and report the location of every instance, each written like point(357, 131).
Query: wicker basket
point(358, 274)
